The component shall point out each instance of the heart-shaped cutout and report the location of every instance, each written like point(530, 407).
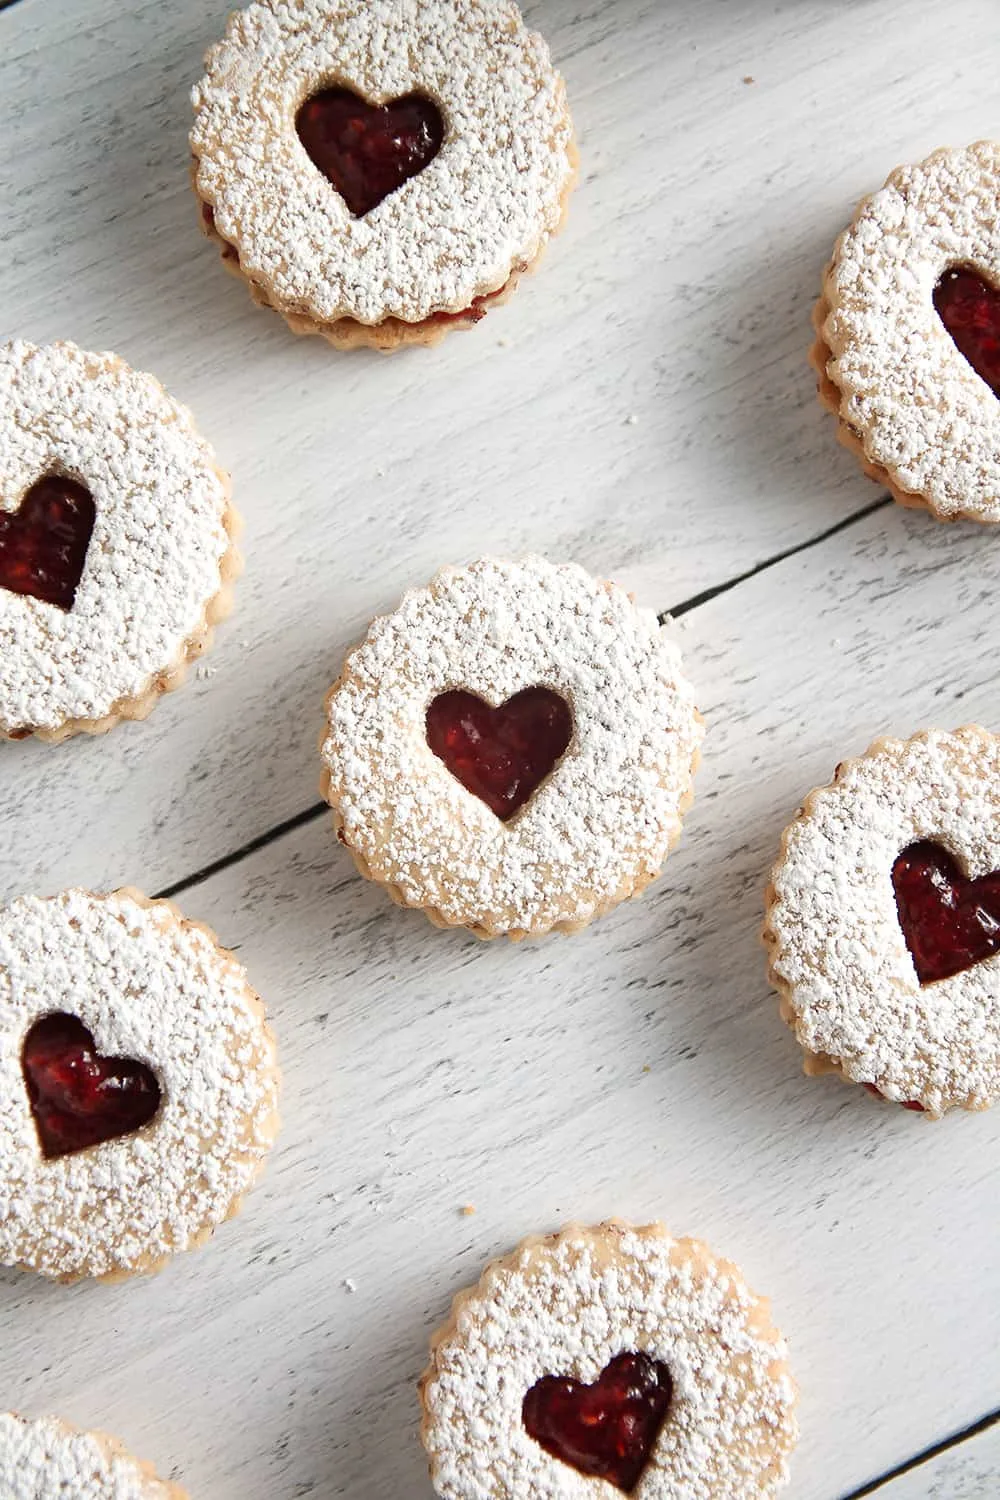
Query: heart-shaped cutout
point(606, 1430)
point(369, 150)
point(969, 308)
point(78, 1097)
point(501, 755)
point(949, 922)
point(43, 544)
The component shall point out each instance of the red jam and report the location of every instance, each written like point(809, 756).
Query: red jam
point(913, 1104)
point(970, 310)
point(606, 1430)
point(949, 922)
point(77, 1097)
point(369, 150)
point(43, 544)
point(501, 755)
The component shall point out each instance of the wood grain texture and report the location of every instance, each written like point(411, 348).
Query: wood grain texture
point(680, 294)
point(968, 1472)
point(640, 1068)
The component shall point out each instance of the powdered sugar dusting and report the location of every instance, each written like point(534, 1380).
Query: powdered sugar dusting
point(602, 823)
point(838, 950)
point(569, 1305)
point(483, 206)
point(152, 989)
point(158, 543)
point(47, 1460)
point(921, 410)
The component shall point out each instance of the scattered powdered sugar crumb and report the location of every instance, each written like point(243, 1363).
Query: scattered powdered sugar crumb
point(148, 988)
point(600, 825)
point(838, 951)
point(568, 1306)
point(153, 564)
point(920, 408)
point(485, 204)
point(46, 1458)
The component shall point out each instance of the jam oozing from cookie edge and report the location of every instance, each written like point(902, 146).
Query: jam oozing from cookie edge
point(913, 1104)
point(949, 922)
point(606, 1430)
point(501, 755)
point(43, 544)
point(365, 150)
point(474, 313)
point(79, 1098)
point(969, 308)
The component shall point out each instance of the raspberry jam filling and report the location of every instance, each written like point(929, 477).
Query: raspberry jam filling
point(77, 1097)
point(369, 150)
point(501, 755)
point(43, 544)
point(606, 1430)
point(949, 922)
point(969, 308)
point(913, 1104)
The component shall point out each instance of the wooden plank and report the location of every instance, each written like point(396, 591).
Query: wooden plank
point(424, 1072)
point(637, 1069)
point(970, 1471)
point(678, 295)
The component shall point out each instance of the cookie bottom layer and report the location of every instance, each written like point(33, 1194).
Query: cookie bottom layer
point(821, 356)
point(392, 333)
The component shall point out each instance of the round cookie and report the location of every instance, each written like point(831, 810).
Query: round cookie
point(908, 334)
point(47, 1459)
point(512, 750)
point(612, 1354)
point(381, 171)
point(117, 549)
point(139, 1084)
point(883, 921)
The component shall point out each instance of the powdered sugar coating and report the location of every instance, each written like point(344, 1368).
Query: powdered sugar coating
point(597, 829)
point(921, 411)
point(837, 949)
point(48, 1460)
point(160, 536)
point(153, 988)
point(567, 1306)
point(485, 205)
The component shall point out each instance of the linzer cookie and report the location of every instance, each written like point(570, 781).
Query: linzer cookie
point(513, 749)
point(908, 334)
point(139, 1084)
point(883, 922)
point(117, 549)
point(49, 1460)
point(605, 1359)
point(381, 172)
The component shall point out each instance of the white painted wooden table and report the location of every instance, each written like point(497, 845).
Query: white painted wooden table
point(640, 1068)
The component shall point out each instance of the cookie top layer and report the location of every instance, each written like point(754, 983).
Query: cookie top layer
point(838, 952)
point(919, 408)
point(156, 989)
point(568, 1305)
point(49, 1460)
point(597, 829)
point(158, 548)
point(484, 206)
